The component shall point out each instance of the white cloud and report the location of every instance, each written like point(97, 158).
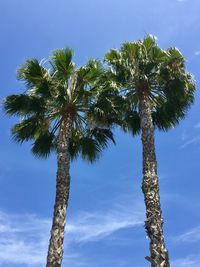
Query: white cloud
point(24, 238)
point(184, 136)
point(197, 53)
point(197, 126)
point(192, 235)
point(191, 140)
point(194, 140)
point(94, 226)
point(189, 261)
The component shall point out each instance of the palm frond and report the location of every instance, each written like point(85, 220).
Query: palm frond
point(131, 122)
point(103, 136)
point(35, 76)
point(31, 72)
point(62, 64)
point(24, 104)
point(26, 130)
point(44, 144)
point(75, 144)
point(85, 94)
point(90, 148)
point(144, 65)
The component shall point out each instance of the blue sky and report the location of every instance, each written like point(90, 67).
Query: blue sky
point(106, 210)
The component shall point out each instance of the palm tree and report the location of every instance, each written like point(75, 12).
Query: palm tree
point(57, 113)
point(156, 92)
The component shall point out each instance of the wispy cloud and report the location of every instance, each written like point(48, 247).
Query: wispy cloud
point(184, 136)
point(197, 126)
point(95, 226)
point(197, 53)
point(189, 261)
point(191, 140)
point(194, 140)
point(181, 0)
point(192, 235)
point(24, 238)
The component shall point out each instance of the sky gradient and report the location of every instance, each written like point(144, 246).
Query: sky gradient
point(106, 207)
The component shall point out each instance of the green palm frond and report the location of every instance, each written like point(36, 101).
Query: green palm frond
point(103, 136)
point(24, 130)
point(131, 122)
point(23, 104)
point(62, 64)
point(75, 145)
point(93, 143)
point(59, 91)
point(44, 144)
point(89, 144)
point(91, 71)
point(170, 88)
point(29, 129)
point(90, 149)
point(36, 77)
point(31, 72)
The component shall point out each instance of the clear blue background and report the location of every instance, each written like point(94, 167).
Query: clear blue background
point(106, 210)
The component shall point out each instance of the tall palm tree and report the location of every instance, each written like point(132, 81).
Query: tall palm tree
point(156, 92)
point(57, 112)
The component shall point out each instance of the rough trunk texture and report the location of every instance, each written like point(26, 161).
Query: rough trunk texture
point(150, 187)
point(55, 251)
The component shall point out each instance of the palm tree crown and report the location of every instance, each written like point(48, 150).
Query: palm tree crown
point(142, 65)
point(52, 93)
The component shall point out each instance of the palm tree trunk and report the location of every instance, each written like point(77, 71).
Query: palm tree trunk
point(55, 251)
point(150, 187)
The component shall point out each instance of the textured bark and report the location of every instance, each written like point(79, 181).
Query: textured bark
point(150, 187)
point(55, 251)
